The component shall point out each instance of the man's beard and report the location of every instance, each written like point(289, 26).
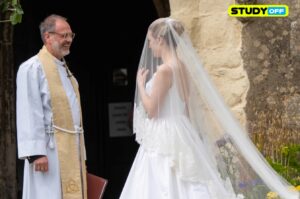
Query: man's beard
point(57, 48)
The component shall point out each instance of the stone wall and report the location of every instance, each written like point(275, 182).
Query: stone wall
point(271, 55)
point(255, 63)
point(217, 37)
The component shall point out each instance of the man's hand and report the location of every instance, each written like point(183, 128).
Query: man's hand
point(41, 164)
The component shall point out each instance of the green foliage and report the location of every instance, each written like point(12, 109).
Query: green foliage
point(289, 169)
point(13, 7)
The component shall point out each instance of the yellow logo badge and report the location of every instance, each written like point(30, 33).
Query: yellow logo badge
point(258, 10)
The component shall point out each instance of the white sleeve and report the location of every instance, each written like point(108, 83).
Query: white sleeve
point(30, 115)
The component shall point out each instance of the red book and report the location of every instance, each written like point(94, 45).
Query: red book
point(95, 186)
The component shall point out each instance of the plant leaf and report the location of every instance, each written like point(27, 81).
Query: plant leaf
point(15, 18)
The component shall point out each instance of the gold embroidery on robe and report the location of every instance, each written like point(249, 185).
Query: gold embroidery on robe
point(71, 154)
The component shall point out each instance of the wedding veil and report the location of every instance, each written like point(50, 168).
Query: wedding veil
point(192, 125)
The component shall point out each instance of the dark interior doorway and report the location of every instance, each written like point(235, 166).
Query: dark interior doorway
point(105, 45)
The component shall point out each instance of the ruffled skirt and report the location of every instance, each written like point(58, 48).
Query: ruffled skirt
point(173, 162)
point(151, 177)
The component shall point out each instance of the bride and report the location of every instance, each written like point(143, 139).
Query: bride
point(190, 144)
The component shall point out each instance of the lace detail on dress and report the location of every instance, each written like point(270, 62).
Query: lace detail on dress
point(167, 137)
point(139, 117)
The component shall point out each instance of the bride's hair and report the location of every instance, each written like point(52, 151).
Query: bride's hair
point(161, 28)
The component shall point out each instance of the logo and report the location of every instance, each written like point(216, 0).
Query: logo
point(258, 10)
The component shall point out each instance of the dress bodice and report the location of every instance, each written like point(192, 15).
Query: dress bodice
point(172, 104)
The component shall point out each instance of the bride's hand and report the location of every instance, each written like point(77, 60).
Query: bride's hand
point(141, 77)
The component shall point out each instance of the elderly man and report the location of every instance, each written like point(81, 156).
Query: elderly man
point(49, 125)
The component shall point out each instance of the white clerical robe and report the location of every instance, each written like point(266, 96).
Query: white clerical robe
point(33, 119)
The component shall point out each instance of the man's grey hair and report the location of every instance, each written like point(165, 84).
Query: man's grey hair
point(48, 25)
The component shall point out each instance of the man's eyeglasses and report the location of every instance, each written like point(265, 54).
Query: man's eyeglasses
point(65, 35)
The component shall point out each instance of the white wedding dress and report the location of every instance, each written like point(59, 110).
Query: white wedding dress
point(167, 164)
point(194, 147)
